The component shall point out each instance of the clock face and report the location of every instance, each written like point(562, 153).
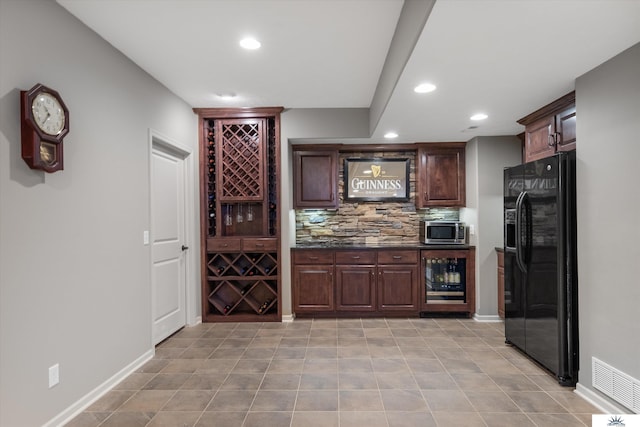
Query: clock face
point(48, 113)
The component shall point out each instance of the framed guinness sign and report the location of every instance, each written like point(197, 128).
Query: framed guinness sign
point(376, 180)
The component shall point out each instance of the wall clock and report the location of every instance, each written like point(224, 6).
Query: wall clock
point(44, 123)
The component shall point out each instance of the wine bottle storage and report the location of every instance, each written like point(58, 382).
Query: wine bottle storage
point(242, 265)
point(240, 190)
point(211, 176)
point(445, 280)
point(241, 150)
point(240, 296)
point(272, 178)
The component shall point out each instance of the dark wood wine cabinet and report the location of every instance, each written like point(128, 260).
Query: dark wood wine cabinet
point(240, 221)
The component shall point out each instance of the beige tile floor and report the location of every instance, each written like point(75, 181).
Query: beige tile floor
point(339, 373)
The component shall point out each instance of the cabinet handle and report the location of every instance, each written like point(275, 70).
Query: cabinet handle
point(397, 257)
point(259, 245)
point(313, 258)
point(356, 257)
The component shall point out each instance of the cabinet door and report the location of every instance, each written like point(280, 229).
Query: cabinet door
point(501, 284)
point(539, 139)
point(355, 287)
point(441, 177)
point(566, 130)
point(313, 288)
point(315, 179)
point(397, 288)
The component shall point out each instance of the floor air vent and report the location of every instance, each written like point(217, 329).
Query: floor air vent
point(617, 385)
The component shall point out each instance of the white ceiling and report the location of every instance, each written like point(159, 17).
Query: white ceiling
point(502, 57)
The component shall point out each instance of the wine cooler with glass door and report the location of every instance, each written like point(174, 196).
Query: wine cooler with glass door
point(448, 282)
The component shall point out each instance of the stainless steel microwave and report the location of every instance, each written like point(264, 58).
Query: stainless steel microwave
point(443, 232)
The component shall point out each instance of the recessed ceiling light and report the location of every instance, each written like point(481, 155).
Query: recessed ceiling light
point(226, 95)
point(390, 135)
point(424, 88)
point(479, 116)
point(250, 43)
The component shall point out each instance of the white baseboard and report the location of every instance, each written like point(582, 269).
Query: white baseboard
point(599, 401)
point(287, 318)
point(72, 411)
point(196, 321)
point(494, 318)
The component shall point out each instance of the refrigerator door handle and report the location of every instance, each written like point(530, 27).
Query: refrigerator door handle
point(519, 258)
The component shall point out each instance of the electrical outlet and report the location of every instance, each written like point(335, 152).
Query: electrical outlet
point(145, 237)
point(54, 375)
point(472, 230)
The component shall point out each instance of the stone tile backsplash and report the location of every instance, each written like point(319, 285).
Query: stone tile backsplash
point(368, 222)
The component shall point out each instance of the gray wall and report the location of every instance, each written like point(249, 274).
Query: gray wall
point(486, 157)
point(74, 273)
point(309, 125)
point(608, 108)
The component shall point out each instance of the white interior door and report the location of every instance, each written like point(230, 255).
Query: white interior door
point(168, 271)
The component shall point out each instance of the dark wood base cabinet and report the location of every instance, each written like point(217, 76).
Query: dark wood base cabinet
point(362, 283)
point(313, 276)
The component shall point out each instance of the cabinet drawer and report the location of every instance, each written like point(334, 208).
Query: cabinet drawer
point(397, 257)
point(223, 245)
point(313, 257)
point(355, 257)
point(259, 244)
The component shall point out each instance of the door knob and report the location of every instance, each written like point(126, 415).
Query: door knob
point(184, 248)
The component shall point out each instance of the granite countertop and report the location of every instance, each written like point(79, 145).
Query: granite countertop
point(334, 245)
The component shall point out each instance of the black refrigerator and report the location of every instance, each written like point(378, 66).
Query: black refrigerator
point(540, 263)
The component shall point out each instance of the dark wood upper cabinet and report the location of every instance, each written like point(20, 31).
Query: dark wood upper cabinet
point(441, 175)
point(566, 129)
point(315, 179)
point(550, 129)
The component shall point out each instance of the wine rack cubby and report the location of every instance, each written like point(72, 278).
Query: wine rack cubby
point(240, 192)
